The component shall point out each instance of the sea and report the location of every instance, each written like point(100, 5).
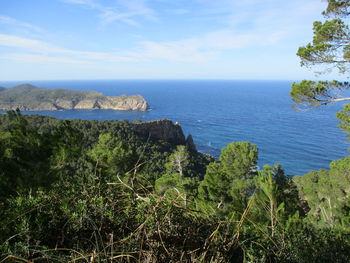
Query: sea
point(217, 112)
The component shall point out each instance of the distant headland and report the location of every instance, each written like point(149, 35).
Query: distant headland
point(27, 97)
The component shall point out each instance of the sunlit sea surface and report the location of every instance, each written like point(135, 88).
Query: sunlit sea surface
point(219, 112)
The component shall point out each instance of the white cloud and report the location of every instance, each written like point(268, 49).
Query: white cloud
point(126, 13)
point(139, 7)
point(206, 47)
point(16, 23)
point(82, 2)
point(249, 15)
point(28, 44)
point(201, 48)
point(41, 59)
point(178, 11)
point(36, 49)
point(267, 29)
point(177, 51)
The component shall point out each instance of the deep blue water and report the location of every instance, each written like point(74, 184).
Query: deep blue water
point(219, 112)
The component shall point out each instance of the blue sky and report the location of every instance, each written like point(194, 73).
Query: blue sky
point(155, 39)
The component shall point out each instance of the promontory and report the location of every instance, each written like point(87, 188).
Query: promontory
point(27, 97)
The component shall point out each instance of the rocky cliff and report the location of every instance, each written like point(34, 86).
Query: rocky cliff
point(165, 130)
point(28, 97)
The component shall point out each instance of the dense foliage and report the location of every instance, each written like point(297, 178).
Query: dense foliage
point(89, 191)
point(328, 193)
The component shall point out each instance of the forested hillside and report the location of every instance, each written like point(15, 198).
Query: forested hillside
point(89, 191)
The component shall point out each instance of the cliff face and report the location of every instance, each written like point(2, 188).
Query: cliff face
point(28, 97)
point(165, 130)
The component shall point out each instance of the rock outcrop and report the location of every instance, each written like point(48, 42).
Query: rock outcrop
point(28, 97)
point(190, 143)
point(165, 130)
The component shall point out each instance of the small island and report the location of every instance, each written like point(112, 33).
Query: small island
point(27, 97)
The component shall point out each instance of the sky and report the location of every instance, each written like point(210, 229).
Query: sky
point(155, 39)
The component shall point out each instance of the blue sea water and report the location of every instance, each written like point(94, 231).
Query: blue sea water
point(219, 112)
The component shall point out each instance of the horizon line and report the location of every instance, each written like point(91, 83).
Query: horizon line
point(149, 79)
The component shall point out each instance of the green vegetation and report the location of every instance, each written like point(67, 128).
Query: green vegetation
point(228, 183)
point(330, 49)
point(89, 191)
point(328, 193)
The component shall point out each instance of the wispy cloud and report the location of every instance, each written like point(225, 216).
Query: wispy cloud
point(139, 7)
point(248, 15)
point(16, 23)
point(42, 59)
point(36, 51)
point(178, 11)
point(206, 47)
point(265, 29)
point(202, 48)
point(124, 11)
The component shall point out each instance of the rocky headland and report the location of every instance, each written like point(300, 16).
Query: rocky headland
point(165, 130)
point(27, 97)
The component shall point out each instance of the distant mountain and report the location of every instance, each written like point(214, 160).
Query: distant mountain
point(28, 97)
